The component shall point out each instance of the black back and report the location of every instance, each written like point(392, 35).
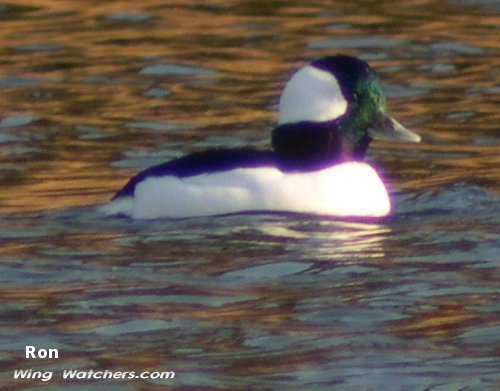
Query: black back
point(303, 146)
point(206, 162)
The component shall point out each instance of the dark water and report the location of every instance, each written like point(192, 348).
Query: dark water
point(92, 91)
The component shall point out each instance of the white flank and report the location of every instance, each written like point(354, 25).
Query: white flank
point(347, 189)
point(311, 95)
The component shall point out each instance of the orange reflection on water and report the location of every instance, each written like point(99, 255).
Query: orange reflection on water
point(445, 320)
point(93, 78)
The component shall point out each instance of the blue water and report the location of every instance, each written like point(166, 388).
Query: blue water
point(92, 93)
point(264, 301)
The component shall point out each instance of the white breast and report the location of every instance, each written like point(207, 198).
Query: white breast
point(347, 189)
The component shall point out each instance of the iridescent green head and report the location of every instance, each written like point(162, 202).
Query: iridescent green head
point(331, 110)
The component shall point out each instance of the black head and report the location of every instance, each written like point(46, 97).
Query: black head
point(330, 110)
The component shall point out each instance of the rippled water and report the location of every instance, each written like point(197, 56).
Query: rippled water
point(91, 92)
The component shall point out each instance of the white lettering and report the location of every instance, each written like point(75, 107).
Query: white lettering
point(30, 352)
point(84, 375)
point(108, 374)
point(69, 373)
point(165, 375)
point(22, 373)
point(33, 352)
point(31, 374)
point(101, 375)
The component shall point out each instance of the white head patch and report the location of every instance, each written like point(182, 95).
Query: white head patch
point(311, 95)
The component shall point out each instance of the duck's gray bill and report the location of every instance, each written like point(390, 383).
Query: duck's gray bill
point(388, 129)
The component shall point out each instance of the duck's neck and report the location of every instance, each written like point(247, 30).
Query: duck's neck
point(311, 145)
point(353, 149)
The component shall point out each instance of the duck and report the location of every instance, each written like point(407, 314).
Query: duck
point(329, 112)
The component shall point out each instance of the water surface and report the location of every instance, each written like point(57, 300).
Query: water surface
point(91, 92)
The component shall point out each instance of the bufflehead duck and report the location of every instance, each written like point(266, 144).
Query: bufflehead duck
point(329, 112)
